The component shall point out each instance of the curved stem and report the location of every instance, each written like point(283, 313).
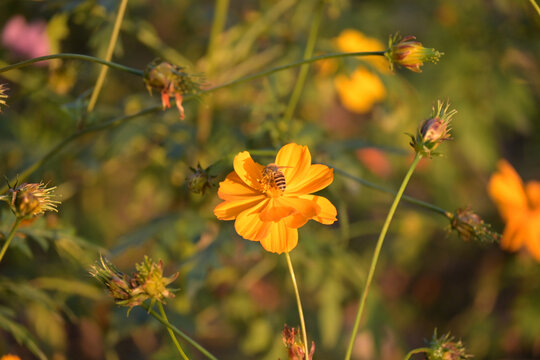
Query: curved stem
point(108, 57)
point(417, 351)
point(10, 237)
point(73, 57)
point(299, 304)
point(171, 333)
point(302, 75)
point(179, 333)
point(377, 252)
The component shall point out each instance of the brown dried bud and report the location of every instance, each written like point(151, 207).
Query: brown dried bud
point(434, 130)
point(470, 226)
point(200, 180)
point(29, 200)
point(295, 346)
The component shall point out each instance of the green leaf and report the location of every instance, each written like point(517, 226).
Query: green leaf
point(21, 335)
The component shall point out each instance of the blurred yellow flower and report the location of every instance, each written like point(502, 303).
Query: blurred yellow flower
point(270, 203)
point(519, 206)
point(350, 40)
point(361, 91)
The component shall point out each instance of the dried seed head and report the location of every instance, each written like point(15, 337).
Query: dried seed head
point(409, 53)
point(434, 130)
point(171, 80)
point(470, 227)
point(295, 346)
point(29, 200)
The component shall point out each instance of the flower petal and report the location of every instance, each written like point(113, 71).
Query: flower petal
point(506, 189)
point(327, 213)
point(276, 210)
point(249, 226)
point(512, 237)
point(233, 188)
point(280, 238)
point(295, 161)
point(533, 193)
point(248, 170)
point(318, 177)
point(533, 242)
point(229, 210)
point(296, 221)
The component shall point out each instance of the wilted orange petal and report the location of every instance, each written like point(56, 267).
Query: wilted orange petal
point(327, 214)
point(248, 170)
point(229, 210)
point(249, 226)
point(296, 160)
point(533, 193)
point(506, 189)
point(512, 238)
point(280, 239)
point(233, 188)
point(317, 178)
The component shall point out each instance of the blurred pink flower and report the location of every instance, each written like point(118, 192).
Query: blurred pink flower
point(26, 40)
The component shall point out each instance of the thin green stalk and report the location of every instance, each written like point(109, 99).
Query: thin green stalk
point(535, 5)
point(377, 252)
point(220, 17)
point(290, 66)
point(299, 304)
point(179, 333)
point(417, 351)
point(302, 75)
point(171, 333)
point(72, 57)
point(14, 227)
point(108, 57)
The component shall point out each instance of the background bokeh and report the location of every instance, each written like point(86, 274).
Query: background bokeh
point(124, 193)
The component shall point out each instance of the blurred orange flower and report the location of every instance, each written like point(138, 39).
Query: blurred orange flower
point(350, 40)
point(519, 206)
point(10, 357)
point(361, 91)
point(270, 203)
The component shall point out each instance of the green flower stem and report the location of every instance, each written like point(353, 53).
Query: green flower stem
point(179, 332)
point(302, 75)
point(14, 227)
point(218, 23)
point(117, 121)
point(377, 251)
point(299, 303)
point(417, 351)
point(289, 66)
point(171, 333)
point(535, 5)
point(409, 199)
point(73, 57)
point(108, 57)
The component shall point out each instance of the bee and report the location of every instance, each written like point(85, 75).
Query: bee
point(272, 175)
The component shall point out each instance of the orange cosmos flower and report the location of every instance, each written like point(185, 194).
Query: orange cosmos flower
point(270, 203)
point(519, 206)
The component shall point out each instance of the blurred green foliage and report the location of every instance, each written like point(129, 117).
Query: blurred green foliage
point(124, 191)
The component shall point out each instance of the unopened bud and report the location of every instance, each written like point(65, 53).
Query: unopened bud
point(295, 346)
point(470, 227)
point(446, 348)
point(409, 53)
point(434, 130)
point(200, 180)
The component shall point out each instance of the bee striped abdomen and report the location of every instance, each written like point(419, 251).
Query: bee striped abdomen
point(274, 177)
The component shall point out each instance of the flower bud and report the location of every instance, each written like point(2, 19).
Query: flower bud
point(2, 95)
point(200, 180)
point(434, 130)
point(409, 53)
point(446, 348)
point(149, 277)
point(295, 346)
point(470, 226)
point(29, 200)
point(170, 80)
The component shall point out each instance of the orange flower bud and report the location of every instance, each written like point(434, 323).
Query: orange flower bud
point(409, 53)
